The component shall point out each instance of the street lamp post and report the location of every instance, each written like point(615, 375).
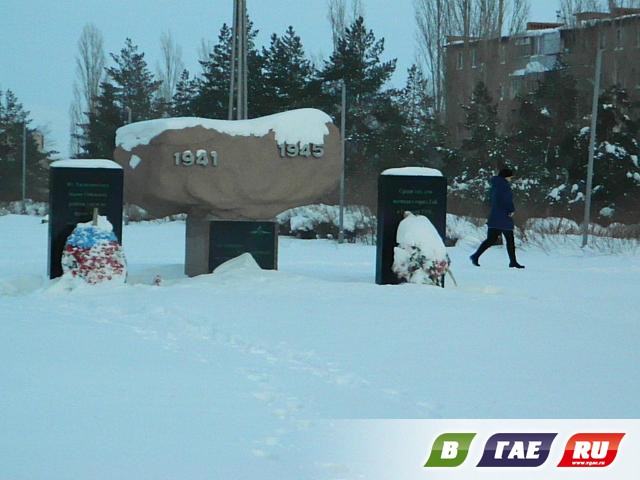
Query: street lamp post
point(592, 143)
point(24, 162)
point(343, 121)
point(238, 88)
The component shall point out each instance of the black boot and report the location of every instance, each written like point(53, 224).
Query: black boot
point(511, 250)
point(474, 260)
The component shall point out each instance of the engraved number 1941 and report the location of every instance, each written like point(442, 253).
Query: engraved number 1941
point(202, 158)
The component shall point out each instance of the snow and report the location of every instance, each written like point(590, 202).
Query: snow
point(545, 111)
point(420, 256)
point(102, 223)
point(134, 161)
point(244, 264)
point(85, 163)
point(615, 150)
point(306, 125)
point(607, 212)
point(556, 192)
point(231, 375)
point(634, 159)
point(310, 217)
point(532, 67)
point(418, 231)
point(413, 172)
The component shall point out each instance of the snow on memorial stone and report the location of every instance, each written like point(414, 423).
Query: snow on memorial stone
point(93, 254)
point(232, 169)
point(421, 256)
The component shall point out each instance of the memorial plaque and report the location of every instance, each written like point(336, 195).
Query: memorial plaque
point(230, 239)
point(398, 193)
point(76, 187)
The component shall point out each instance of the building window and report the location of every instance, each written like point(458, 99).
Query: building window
point(460, 61)
point(603, 40)
point(515, 87)
point(503, 52)
point(619, 38)
point(474, 58)
point(538, 45)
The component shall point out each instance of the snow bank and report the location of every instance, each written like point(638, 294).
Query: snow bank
point(85, 163)
point(306, 125)
point(244, 263)
point(312, 218)
point(413, 172)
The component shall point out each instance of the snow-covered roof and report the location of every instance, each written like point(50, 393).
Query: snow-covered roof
point(413, 172)
point(306, 125)
point(537, 33)
point(532, 67)
point(85, 163)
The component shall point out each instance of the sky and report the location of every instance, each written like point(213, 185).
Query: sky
point(38, 39)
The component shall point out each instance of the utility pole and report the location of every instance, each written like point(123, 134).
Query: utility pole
point(238, 88)
point(343, 121)
point(24, 161)
point(592, 144)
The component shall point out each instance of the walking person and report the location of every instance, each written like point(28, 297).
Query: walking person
point(500, 220)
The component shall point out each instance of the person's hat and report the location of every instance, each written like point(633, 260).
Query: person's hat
point(506, 172)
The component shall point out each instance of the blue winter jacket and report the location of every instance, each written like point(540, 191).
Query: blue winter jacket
point(501, 204)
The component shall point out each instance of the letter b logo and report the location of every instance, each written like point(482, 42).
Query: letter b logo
point(450, 450)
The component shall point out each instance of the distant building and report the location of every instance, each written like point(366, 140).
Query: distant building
point(513, 65)
point(38, 137)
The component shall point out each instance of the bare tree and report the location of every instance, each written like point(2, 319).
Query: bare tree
point(204, 49)
point(75, 120)
point(438, 19)
point(433, 18)
point(90, 64)
point(518, 15)
point(569, 9)
point(170, 66)
point(338, 18)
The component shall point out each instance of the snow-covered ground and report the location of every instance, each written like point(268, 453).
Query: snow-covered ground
point(227, 375)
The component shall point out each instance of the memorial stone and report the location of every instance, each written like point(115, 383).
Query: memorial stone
point(421, 191)
point(76, 188)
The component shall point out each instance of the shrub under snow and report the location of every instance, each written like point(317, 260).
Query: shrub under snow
point(421, 256)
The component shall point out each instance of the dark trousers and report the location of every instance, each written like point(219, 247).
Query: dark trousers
point(492, 236)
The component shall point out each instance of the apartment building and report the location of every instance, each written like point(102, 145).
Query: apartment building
point(513, 65)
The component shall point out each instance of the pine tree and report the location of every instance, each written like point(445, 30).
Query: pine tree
point(288, 74)
point(183, 99)
point(13, 117)
point(537, 147)
point(102, 126)
point(371, 112)
point(134, 83)
point(616, 169)
point(423, 138)
point(212, 98)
